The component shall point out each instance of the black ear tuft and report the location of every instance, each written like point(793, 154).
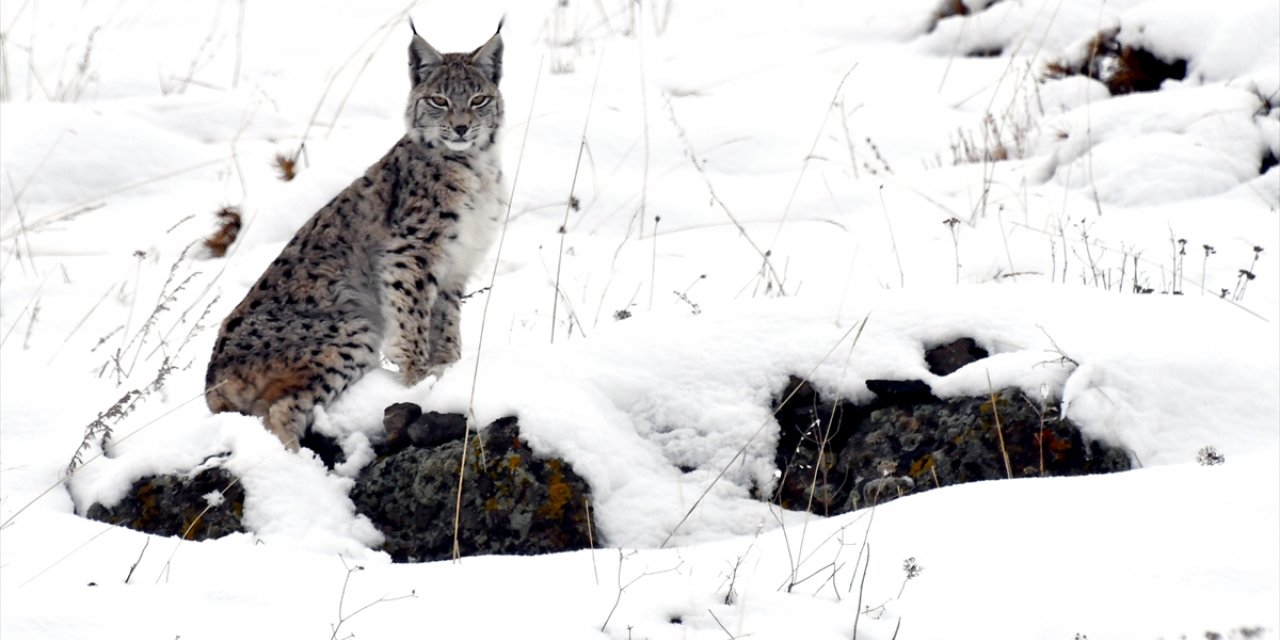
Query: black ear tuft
point(488, 58)
point(414, 29)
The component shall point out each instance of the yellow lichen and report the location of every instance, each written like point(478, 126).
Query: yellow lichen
point(559, 493)
point(921, 466)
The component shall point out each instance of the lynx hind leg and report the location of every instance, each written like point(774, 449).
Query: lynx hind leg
point(446, 339)
point(285, 391)
point(288, 403)
point(288, 419)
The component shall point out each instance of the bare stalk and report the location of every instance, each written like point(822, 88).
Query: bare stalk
point(697, 164)
point(902, 278)
point(484, 315)
point(569, 201)
point(742, 451)
point(995, 411)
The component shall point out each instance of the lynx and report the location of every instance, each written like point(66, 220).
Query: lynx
point(383, 265)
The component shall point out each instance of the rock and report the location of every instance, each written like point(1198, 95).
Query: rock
point(513, 501)
point(395, 421)
point(434, 429)
point(835, 458)
point(406, 425)
point(900, 391)
point(946, 359)
point(176, 505)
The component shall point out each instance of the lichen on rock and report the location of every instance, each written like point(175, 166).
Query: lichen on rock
point(513, 500)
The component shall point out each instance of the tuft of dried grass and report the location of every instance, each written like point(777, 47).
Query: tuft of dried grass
point(229, 224)
point(1122, 68)
point(286, 166)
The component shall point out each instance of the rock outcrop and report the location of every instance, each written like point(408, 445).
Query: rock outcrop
point(836, 457)
point(208, 504)
point(833, 457)
point(513, 500)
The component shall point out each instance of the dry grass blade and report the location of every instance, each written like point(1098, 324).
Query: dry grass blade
point(34, 298)
point(697, 164)
point(786, 210)
point(9, 521)
point(484, 315)
point(743, 450)
point(96, 201)
point(570, 200)
point(995, 412)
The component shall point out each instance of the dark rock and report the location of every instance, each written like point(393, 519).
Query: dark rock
point(1123, 68)
point(395, 421)
point(513, 501)
point(177, 506)
point(837, 457)
point(812, 429)
point(407, 425)
point(948, 358)
point(901, 391)
point(434, 429)
point(1269, 160)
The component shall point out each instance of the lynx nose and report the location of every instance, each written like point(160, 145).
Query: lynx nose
point(461, 130)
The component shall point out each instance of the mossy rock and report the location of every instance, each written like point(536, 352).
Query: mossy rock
point(834, 457)
point(207, 505)
point(513, 500)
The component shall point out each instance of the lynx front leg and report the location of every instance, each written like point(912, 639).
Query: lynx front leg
point(409, 294)
point(446, 340)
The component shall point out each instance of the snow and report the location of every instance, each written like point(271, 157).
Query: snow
point(824, 136)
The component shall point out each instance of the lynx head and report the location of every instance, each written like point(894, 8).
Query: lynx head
point(455, 100)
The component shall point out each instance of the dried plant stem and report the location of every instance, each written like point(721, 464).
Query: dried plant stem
point(484, 315)
point(644, 111)
point(35, 297)
point(697, 164)
point(857, 612)
point(995, 411)
point(95, 202)
point(80, 324)
point(67, 555)
point(804, 166)
point(568, 205)
point(902, 278)
point(8, 521)
point(742, 451)
point(653, 261)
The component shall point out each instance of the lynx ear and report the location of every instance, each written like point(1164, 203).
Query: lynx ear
point(422, 58)
point(488, 58)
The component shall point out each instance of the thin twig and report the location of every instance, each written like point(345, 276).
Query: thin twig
point(902, 278)
point(135, 564)
point(569, 201)
point(484, 314)
point(995, 411)
point(817, 137)
point(116, 442)
point(743, 450)
point(697, 164)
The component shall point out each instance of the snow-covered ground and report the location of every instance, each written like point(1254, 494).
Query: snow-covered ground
point(766, 189)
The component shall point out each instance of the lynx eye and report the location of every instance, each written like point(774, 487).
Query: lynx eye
point(480, 101)
point(438, 101)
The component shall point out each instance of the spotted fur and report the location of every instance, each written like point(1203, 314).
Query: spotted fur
point(382, 267)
